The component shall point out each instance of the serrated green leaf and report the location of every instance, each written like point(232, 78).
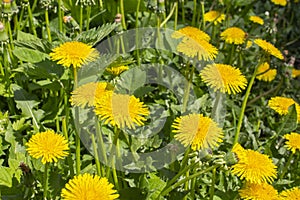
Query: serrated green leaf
point(6, 176)
point(27, 102)
point(289, 122)
point(29, 55)
point(155, 186)
point(131, 80)
point(95, 35)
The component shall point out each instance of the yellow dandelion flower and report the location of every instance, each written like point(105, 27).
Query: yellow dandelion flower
point(203, 50)
point(74, 53)
point(293, 141)
point(269, 48)
point(295, 73)
point(291, 194)
point(249, 44)
point(256, 19)
point(264, 191)
point(214, 16)
point(198, 131)
point(88, 187)
point(281, 105)
point(223, 77)
point(233, 35)
point(85, 94)
point(279, 2)
point(120, 110)
point(117, 70)
point(264, 73)
point(191, 32)
point(195, 43)
point(253, 166)
point(47, 145)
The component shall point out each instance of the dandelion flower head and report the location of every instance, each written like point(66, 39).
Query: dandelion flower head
point(281, 105)
point(214, 16)
point(74, 53)
point(269, 48)
point(253, 166)
point(292, 141)
point(121, 110)
point(264, 73)
point(295, 73)
point(117, 70)
point(253, 191)
point(88, 187)
point(223, 77)
point(198, 131)
point(256, 19)
point(279, 2)
point(47, 145)
point(291, 194)
point(233, 35)
point(195, 43)
point(85, 94)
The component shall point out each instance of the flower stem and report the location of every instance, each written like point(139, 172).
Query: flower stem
point(31, 20)
point(212, 187)
point(137, 32)
point(170, 15)
point(88, 16)
point(286, 166)
point(98, 167)
point(101, 145)
point(194, 13)
point(123, 14)
point(80, 18)
point(190, 73)
point(45, 181)
point(60, 17)
point(48, 25)
point(65, 132)
point(176, 16)
point(244, 104)
point(202, 13)
point(177, 184)
point(77, 128)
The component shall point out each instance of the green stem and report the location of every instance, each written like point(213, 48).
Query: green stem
point(202, 14)
point(60, 17)
point(100, 5)
point(137, 32)
point(244, 104)
point(31, 20)
point(187, 89)
point(212, 187)
point(169, 16)
point(176, 16)
point(286, 166)
point(88, 16)
point(69, 158)
point(177, 184)
point(183, 12)
point(101, 145)
point(194, 13)
point(48, 25)
point(77, 128)
point(123, 14)
point(80, 18)
point(98, 167)
point(45, 181)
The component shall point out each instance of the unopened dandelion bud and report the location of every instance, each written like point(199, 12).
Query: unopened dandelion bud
point(118, 19)
point(161, 6)
point(85, 2)
point(3, 34)
point(230, 158)
point(152, 5)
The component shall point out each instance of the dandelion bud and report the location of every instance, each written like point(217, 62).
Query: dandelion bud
point(9, 7)
point(152, 5)
point(118, 18)
point(3, 34)
point(161, 6)
point(230, 158)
